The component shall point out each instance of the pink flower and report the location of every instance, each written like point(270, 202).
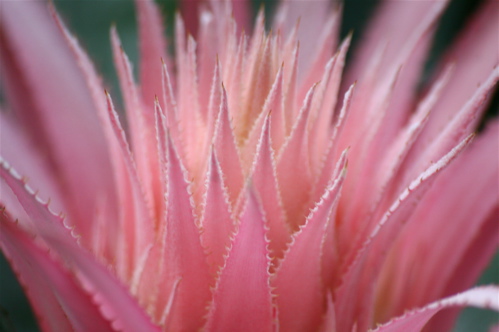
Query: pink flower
point(226, 204)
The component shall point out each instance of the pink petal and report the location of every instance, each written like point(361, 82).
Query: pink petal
point(247, 308)
point(385, 104)
point(393, 23)
point(161, 139)
point(152, 51)
point(190, 12)
point(475, 55)
point(58, 298)
point(463, 123)
point(313, 17)
point(475, 260)
point(16, 147)
point(214, 100)
point(208, 49)
point(184, 258)
point(273, 105)
point(275, 102)
point(180, 39)
point(126, 179)
point(414, 321)
point(242, 14)
point(217, 223)
point(227, 152)
point(141, 122)
point(354, 297)
point(265, 181)
point(190, 119)
point(260, 78)
point(171, 111)
point(136, 228)
point(326, 43)
point(39, 294)
point(233, 79)
point(329, 164)
point(258, 35)
point(228, 43)
point(324, 105)
point(57, 111)
point(356, 205)
point(394, 158)
point(444, 249)
point(203, 150)
point(330, 257)
point(251, 59)
point(293, 168)
point(290, 81)
point(406, 53)
point(298, 279)
point(114, 301)
point(149, 272)
point(329, 323)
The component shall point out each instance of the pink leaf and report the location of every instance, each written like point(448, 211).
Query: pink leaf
point(394, 158)
point(207, 57)
point(115, 302)
point(293, 160)
point(324, 105)
point(152, 51)
point(329, 163)
point(227, 152)
point(127, 183)
point(136, 225)
point(298, 280)
point(58, 112)
point(273, 106)
point(203, 150)
point(462, 124)
point(482, 297)
point(316, 19)
point(184, 258)
point(141, 121)
point(475, 55)
point(326, 42)
point(190, 119)
point(171, 112)
point(16, 147)
point(355, 295)
point(290, 82)
point(329, 323)
point(265, 181)
point(247, 308)
point(444, 249)
point(58, 298)
point(217, 223)
point(190, 12)
point(242, 14)
point(261, 73)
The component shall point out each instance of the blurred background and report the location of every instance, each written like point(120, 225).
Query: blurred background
point(90, 21)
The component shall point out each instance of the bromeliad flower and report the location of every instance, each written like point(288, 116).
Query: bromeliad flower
point(226, 204)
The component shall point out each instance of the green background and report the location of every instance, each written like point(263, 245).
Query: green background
point(90, 20)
